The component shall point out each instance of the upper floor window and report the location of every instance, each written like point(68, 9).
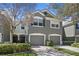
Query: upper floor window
point(38, 22)
point(45, 13)
point(22, 27)
point(54, 24)
point(77, 26)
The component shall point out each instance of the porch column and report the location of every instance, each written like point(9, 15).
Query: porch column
point(18, 37)
point(25, 39)
point(11, 34)
point(0, 37)
point(61, 40)
point(11, 37)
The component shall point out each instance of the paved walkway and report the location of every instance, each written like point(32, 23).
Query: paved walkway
point(70, 48)
point(47, 51)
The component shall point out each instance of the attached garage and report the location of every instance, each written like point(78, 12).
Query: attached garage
point(56, 38)
point(37, 39)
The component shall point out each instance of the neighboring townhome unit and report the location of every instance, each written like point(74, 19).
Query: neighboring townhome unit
point(71, 30)
point(4, 27)
point(20, 32)
point(45, 27)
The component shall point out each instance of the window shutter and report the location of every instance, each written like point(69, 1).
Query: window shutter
point(44, 22)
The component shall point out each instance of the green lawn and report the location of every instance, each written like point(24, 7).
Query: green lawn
point(32, 53)
point(68, 51)
point(22, 54)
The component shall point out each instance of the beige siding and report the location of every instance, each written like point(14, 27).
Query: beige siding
point(5, 28)
point(70, 31)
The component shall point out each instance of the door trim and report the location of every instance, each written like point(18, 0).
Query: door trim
point(37, 34)
point(56, 35)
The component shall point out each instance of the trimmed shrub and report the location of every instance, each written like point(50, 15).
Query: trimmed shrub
point(50, 43)
point(15, 47)
point(69, 39)
point(4, 49)
point(75, 45)
point(68, 42)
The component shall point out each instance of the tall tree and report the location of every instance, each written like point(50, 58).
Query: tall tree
point(17, 11)
point(71, 10)
point(58, 7)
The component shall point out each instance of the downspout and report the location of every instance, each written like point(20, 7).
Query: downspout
point(75, 32)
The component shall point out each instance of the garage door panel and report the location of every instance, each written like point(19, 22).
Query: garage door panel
point(37, 40)
point(55, 39)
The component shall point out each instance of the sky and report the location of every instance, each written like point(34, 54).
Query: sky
point(39, 6)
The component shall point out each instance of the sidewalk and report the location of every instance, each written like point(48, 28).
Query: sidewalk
point(70, 48)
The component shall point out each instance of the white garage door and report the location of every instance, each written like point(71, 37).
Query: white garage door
point(37, 39)
point(56, 38)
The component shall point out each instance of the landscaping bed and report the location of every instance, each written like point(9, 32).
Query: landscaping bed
point(67, 51)
point(16, 49)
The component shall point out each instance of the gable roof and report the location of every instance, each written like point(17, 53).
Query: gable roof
point(38, 12)
point(49, 14)
point(67, 23)
point(45, 13)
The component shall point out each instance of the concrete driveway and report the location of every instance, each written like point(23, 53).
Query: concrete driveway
point(47, 51)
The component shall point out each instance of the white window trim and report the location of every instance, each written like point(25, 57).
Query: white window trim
point(0, 37)
point(77, 26)
point(37, 34)
point(54, 27)
point(38, 17)
point(77, 35)
point(38, 21)
point(37, 26)
point(56, 35)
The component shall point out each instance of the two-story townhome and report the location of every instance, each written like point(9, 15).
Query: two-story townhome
point(45, 27)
